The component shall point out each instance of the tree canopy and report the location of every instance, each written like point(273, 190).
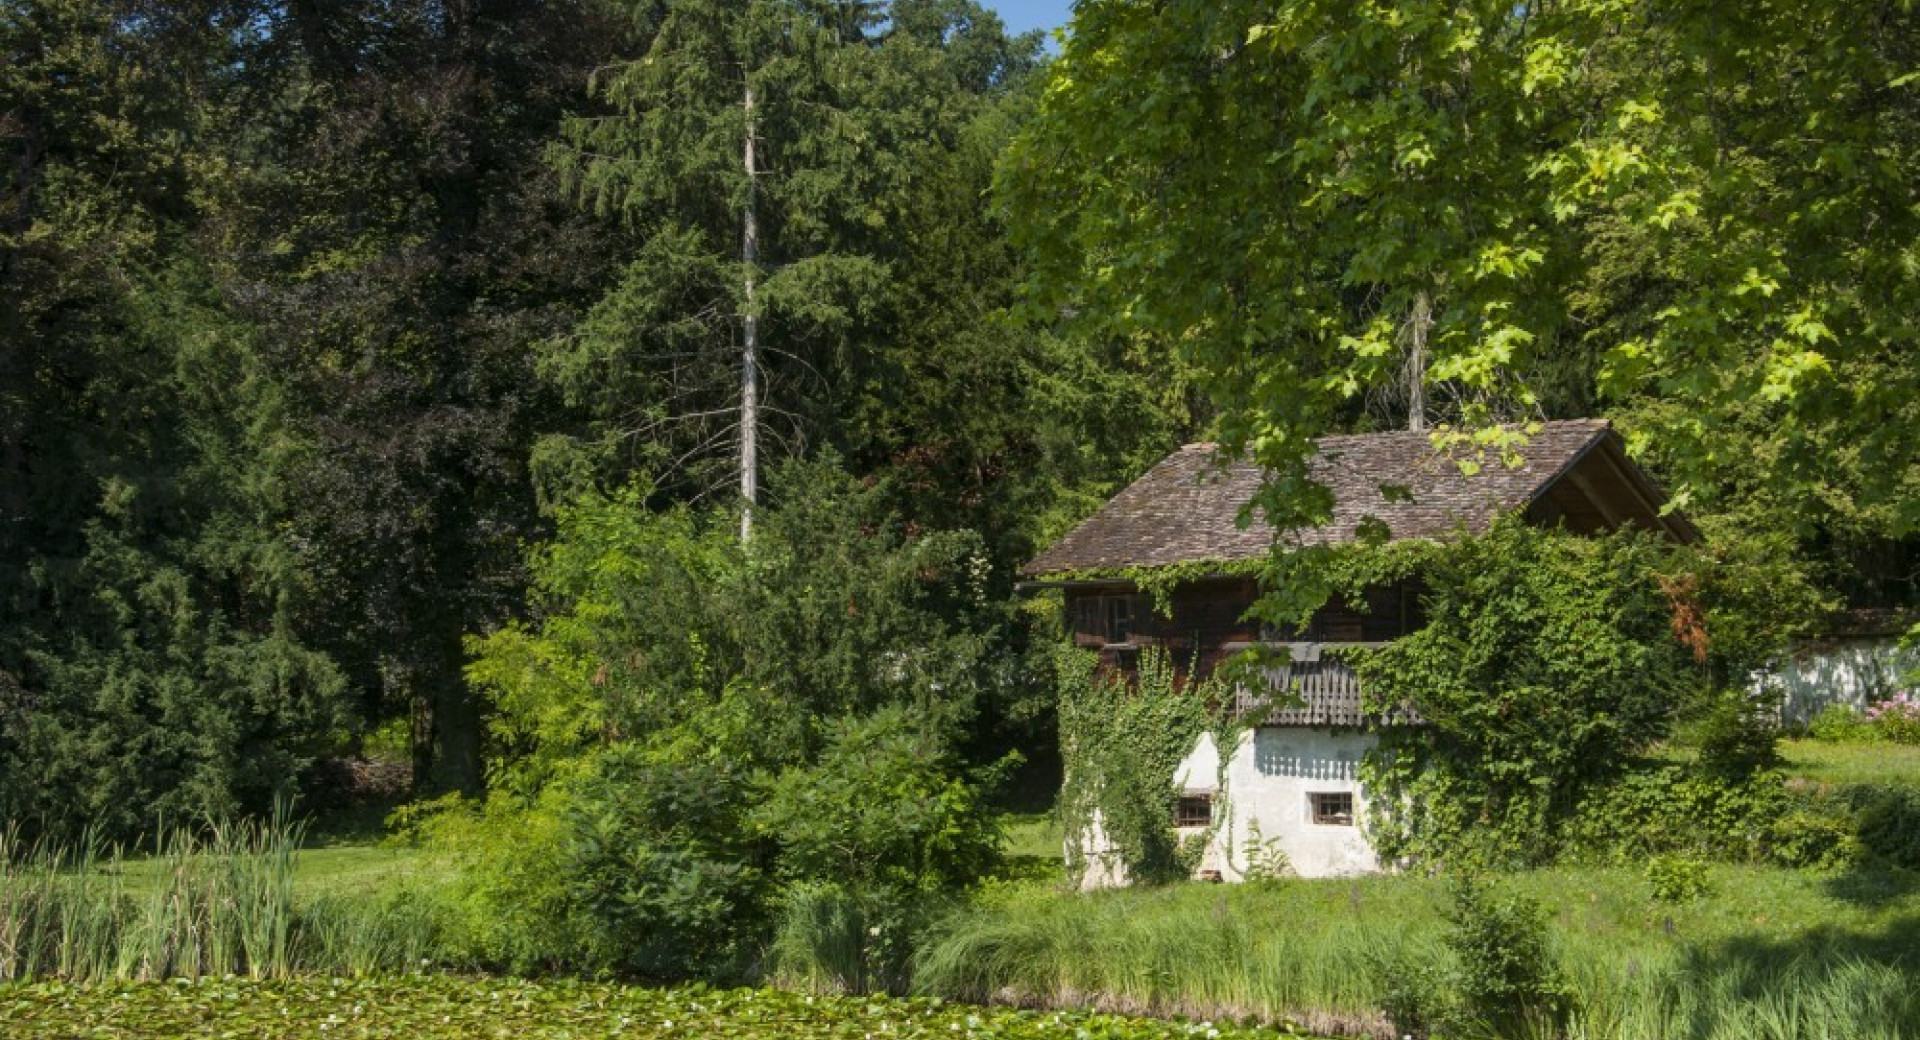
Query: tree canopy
point(1698, 218)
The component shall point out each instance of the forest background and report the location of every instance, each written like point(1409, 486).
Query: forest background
point(371, 375)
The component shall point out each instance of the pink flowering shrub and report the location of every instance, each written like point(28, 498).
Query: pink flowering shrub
point(1898, 717)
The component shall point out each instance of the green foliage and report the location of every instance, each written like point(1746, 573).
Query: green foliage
point(1680, 810)
point(1568, 205)
point(1815, 834)
point(1546, 662)
point(1889, 822)
point(880, 282)
point(1549, 664)
point(296, 308)
point(885, 806)
point(1506, 977)
point(1122, 741)
point(511, 900)
point(875, 833)
point(701, 739)
point(1842, 723)
point(269, 274)
point(1734, 732)
point(1678, 879)
point(438, 1007)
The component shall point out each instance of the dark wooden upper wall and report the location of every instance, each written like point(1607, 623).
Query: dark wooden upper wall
point(1207, 616)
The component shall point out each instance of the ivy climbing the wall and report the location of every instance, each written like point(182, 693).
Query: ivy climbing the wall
point(1122, 740)
point(1549, 664)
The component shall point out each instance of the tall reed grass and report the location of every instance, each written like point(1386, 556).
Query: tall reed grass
point(1775, 957)
point(221, 903)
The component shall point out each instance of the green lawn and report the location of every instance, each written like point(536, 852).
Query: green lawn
point(325, 870)
point(1828, 762)
point(451, 1008)
point(1832, 954)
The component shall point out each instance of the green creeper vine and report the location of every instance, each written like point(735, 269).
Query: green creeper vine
point(1122, 739)
point(1159, 582)
point(1549, 663)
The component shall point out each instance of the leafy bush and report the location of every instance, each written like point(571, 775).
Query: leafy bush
point(1842, 723)
point(1547, 660)
point(1506, 977)
point(1889, 823)
point(1734, 732)
point(1678, 879)
point(1676, 809)
point(1816, 833)
point(879, 829)
point(1897, 718)
point(701, 738)
point(1549, 663)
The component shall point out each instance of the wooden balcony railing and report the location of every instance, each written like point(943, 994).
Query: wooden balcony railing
point(1325, 690)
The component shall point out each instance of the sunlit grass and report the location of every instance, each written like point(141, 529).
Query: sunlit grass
point(325, 870)
point(217, 899)
point(1842, 948)
point(1829, 762)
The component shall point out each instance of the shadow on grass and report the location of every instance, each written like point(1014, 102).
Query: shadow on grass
point(1871, 886)
point(1827, 980)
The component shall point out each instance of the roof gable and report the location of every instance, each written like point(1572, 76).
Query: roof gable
point(1186, 508)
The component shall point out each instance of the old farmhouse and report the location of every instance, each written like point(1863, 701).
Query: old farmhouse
point(1293, 778)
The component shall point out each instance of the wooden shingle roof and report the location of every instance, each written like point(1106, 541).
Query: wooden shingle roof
point(1186, 509)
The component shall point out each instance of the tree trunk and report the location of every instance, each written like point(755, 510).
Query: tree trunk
point(446, 723)
point(750, 347)
point(1417, 325)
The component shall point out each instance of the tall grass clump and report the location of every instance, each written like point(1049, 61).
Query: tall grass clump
point(58, 914)
point(213, 900)
point(1572, 954)
point(1307, 953)
point(222, 904)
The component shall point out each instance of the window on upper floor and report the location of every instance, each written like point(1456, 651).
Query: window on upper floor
point(1108, 619)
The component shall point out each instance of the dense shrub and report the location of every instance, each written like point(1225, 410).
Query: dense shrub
point(872, 837)
point(1889, 822)
point(1842, 723)
point(1655, 809)
point(699, 739)
point(1677, 879)
point(1897, 718)
point(1507, 980)
point(1817, 836)
point(1547, 661)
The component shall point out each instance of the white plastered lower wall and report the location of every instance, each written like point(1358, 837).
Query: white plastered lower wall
point(1265, 798)
point(1853, 672)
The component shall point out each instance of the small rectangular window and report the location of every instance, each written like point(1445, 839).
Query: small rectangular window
point(1193, 810)
point(1332, 808)
point(1120, 612)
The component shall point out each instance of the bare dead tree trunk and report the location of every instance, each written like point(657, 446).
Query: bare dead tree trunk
point(750, 347)
point(1417, 325)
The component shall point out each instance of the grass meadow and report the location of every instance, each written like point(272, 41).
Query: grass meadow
point(1766, 953)
point(1830, 762)
point(241, 899)
point(273, 924)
